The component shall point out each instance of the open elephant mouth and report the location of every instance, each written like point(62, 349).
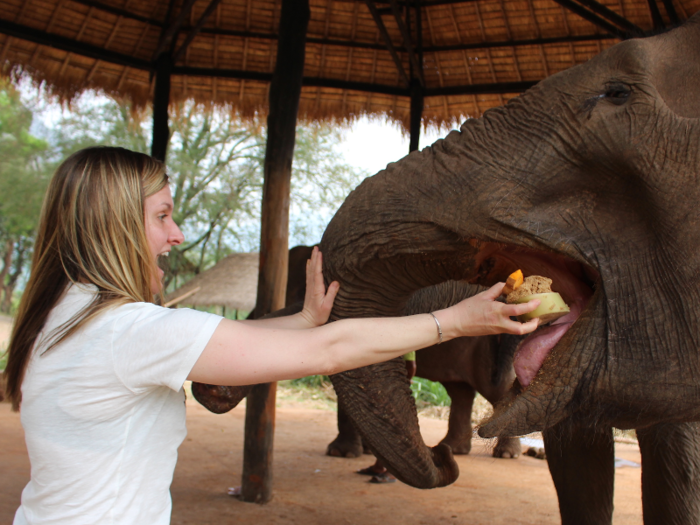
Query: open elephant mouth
point(573, 280)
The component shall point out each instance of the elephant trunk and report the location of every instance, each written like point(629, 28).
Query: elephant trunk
point(379, 401)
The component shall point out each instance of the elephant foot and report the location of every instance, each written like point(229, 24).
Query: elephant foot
point(507, 448)
point(458, 446)
point(342, 447)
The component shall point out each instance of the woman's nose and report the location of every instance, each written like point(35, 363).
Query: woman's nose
point(176, 236)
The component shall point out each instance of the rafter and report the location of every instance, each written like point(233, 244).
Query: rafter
point(656, 18)
point(593, 18)
point(387, 41)
point(418, 68)
point(169, 33)
point(671, 12)
point(196, 29)
point(612, 16)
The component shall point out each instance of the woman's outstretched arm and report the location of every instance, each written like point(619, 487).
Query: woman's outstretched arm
point(258, 351)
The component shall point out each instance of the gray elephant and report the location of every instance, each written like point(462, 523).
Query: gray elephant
point(592, 179)
point(464, 366)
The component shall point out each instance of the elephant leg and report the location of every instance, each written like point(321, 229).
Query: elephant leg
point(348, 443)
point(582, 463)
point(670, 473)
point(459, 431)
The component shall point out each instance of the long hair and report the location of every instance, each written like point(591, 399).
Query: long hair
point(91, 230)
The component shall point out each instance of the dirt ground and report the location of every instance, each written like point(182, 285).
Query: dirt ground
point(314, 489)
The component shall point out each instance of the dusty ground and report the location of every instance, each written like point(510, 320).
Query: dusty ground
point(315, 489)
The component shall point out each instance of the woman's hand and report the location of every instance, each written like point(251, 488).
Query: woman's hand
point(318, 302)
point(483, 315)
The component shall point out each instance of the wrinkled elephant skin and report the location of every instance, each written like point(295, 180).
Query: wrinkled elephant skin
point(590, 178)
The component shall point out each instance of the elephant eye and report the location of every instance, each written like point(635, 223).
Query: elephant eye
point(617, 93)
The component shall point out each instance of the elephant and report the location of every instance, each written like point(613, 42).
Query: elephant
point(464, 366)
point(590, 178)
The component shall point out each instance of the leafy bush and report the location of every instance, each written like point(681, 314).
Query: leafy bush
point(429, 393)
point(311, 382)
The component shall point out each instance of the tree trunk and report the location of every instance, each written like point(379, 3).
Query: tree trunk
point(7, 262)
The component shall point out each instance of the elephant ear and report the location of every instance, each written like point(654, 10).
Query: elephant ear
point(676, 72)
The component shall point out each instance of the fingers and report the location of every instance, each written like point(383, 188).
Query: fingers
point(494, 292)
point(517, 328)
point(331, 293)
point(514, 310)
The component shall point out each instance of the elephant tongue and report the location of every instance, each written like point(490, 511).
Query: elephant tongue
point(533, 351)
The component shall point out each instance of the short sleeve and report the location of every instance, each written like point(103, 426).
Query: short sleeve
point(155, 346)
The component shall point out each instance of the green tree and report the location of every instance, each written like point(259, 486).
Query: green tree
point(23, 177)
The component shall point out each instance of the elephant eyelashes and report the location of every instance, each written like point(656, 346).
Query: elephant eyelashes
point(617, 93)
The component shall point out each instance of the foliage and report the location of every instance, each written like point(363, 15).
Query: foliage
point(317, 381)
point(429, 393)
point(24, 170)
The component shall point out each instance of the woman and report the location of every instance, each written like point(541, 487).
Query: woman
point(98, 368)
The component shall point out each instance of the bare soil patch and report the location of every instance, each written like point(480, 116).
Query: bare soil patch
point(315, 489)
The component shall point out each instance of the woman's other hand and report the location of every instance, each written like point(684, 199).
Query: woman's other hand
point(318, 301)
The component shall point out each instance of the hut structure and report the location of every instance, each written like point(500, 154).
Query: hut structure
point(231, 283)
point(411, 61)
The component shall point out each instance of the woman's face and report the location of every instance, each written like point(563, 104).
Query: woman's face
point(161, 231)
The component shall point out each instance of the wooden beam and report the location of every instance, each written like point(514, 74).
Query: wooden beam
point(593, 18)
point(416, 115)
point(161, 101)
point(120, 12)
point(482, 89)
point(671, 12)
point(613, 17)
point(285, 92)
point(519, 43)
point(387, 41)
point(166, 38)
point(417, 66)
point(197, 28)
point(656, 18)
point(72, 46)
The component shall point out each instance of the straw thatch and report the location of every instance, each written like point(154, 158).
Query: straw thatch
point(232, 282)
point(474, 54)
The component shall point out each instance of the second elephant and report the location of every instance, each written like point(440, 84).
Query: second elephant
point(464, 366)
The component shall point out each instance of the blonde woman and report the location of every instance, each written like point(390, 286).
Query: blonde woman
point(98, 369)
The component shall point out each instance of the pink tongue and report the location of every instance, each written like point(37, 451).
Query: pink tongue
point(534, 350)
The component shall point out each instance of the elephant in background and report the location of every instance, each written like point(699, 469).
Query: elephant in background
point(590, 178)
point(464, 366)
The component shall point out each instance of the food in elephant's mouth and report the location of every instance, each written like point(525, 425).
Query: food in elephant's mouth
point(551, 307)
point(572, 280)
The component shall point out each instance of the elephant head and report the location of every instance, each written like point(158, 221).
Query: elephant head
point(591, 178)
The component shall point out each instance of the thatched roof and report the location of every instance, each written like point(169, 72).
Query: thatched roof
point(470, 55)
point(232, 282)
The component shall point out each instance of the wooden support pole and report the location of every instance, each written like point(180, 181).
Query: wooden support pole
point(416, 114)
point(161, 100)
point(285, 91)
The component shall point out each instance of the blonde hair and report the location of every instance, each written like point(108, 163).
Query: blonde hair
point(91, 230)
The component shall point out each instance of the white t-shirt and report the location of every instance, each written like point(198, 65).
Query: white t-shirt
point(103, 413)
